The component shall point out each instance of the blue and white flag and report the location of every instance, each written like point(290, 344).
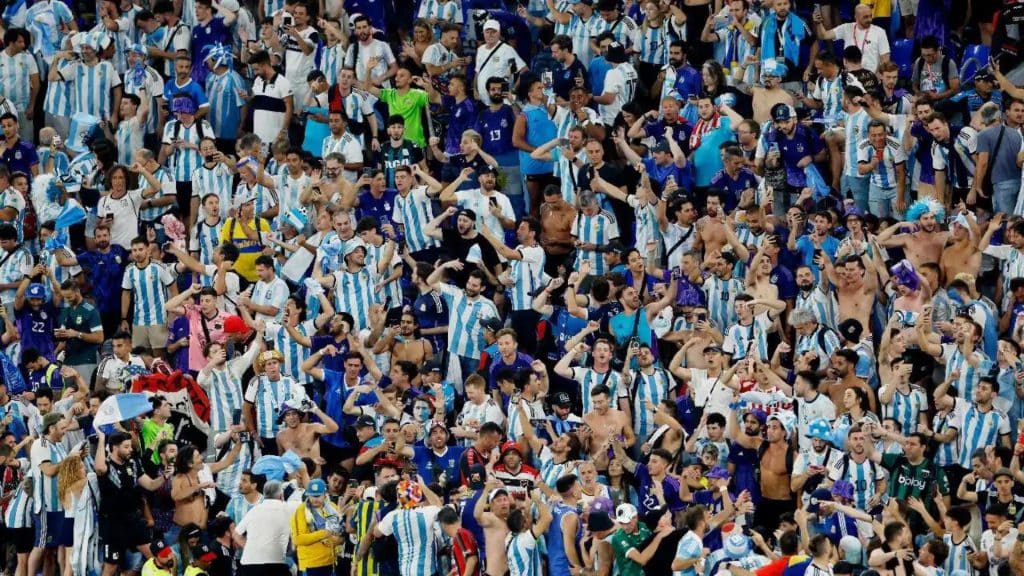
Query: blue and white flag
point(121, 407)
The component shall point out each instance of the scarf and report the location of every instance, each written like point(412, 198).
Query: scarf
point(703, 128)
point(793, 31)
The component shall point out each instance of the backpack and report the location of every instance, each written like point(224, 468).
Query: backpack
point(846, 466)
point(919, 69)
point(177, 129)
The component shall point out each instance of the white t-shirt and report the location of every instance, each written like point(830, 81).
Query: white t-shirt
point(873, 43)
point(498, 65)
point(480, 203)
point(273, 293)
point(710, 393)
point(621, 81)
point(125, 211)
point(267, 121)
point(375, 48)
point(267, 530)
point(807, 412)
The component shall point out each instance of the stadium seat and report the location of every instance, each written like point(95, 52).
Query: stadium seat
point(975, 58)
point(903, 54)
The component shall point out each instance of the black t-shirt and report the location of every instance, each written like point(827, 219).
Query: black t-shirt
point(119, 489)
point(661, 562)
point(458, 248)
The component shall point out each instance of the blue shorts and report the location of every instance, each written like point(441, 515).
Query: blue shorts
point(48, 529)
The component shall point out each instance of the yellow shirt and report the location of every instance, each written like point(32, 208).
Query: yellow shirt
point(882, 8)
point(313, 548)
point(151, 569)
point(249, 250)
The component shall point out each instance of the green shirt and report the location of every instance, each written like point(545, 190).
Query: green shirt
point(622, 543)
point(150, 430)
point(409, 106)
point(83, 318)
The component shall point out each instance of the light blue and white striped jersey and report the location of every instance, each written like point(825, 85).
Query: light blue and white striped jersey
point(223, 91)
point(580, 32)
point(413, 213)
point(969, 375)
point(239, 506)
point(11, 198)
point(149, 292)
point(550, 472)
point(44, 20)
point(273, 293)
point(82, 172)
point(167, 189)
point(646, 227)
point(358, 107)
point(523, 554)
point(414, 531)
point(721, 299)
point(978, 429)
point(120, 39)
point(567, 172)
point(528, 275)
point(153, 85)
point(61, 273)
point(884, 175)
point(354, 293)
point(534, 413)
point(272, 7)
point(946, 453)
point(447, 12)
point(623, 28)
point(393, 289)
point(740, 338)
point(465, 335)
point(566, 7)
point(267, 396)
point(863, 476)
point(653, 387)
point(183, 161)
point(59, 100)
point(19, 508)
point(830, 94)
point(653, 44)
point(338, 144)
point(216, 180)
point(92, 87)
point(906, 408)
point(856, 128)
point(178, 37)
point(822, 305)
point(588, 379)
point(188, 12)
point(957, 560)
point(44, 489)
point(1012, 266)
point(129, 137)
point(15, 75)
point(288, 191)
point(266, 198)
point(599, 229)
point(224, 387)
point(13, 267)
point(61, 162)
point(331, 59)
point(294, 353)
point(813, 342)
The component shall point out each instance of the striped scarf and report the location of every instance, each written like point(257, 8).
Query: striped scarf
point(703, 128)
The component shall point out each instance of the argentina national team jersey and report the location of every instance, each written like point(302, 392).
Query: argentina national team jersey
point(884, 175)
point(654, 388)
point(92, 86)
point(184, 161)
point(823, 305)
point(354, 292)
point(465, 335)
point(599, 229)
point(856, 128)
point(528, 274)
point(331, 58)
point(153, 213)
point(566, 171)
point(588, 378)
point(224, 92)
point(414, 531)
point(224, 386)
point(653, 44)
point(15, 76)
point(580, 32)
point(977, 429)
point(830, 94)
point(906, 408)
point(44, 493)
point(214, 180)
point(523, 554)
point(957, 561)
point(413, 212)
point(392, 290)
point(720, 295)
point(153, 84)
point(129, 136)
point(149, 292)
point(294, 353)
point(267, 396)
point(970, 375)
point(864, 477)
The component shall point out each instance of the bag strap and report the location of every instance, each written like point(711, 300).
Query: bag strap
point(995, 151)
point(680, 242)
point(491, 55)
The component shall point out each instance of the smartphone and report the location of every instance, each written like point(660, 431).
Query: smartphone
point(368, 172)
point(493, 201)
point(563, 141)
point(236, 417)
point(702, 317)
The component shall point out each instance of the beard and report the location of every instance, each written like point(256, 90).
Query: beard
point(806, 287)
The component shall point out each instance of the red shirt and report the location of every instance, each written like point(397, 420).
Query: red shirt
point(463, 548)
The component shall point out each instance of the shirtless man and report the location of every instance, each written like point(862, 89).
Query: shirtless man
point(556, 216)
point(711, 227)
point(403, 344)
point(856, 284)
point(776, 494)
point(961, 254)
point(605, 423)
point(772, 92)
point(303, 437)
point(924, 241)
point(192, 484)
point(494, 523)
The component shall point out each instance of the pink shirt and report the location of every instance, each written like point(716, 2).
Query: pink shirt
point(198, 334)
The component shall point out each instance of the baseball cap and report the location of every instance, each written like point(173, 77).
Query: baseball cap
point(432, 366)
point(782, 112)
point(690, 460)
point(235, 325)
point(662, 146)
point(817, 497)
point(51, 419)
point(191, 530)
point(366, 422)
point(625, 513)
point(718, 473)
point(1002, 472)
point(616, 53)
point(160, 549)
point(495, 493)
point(851, 330)
point(317, 487)
point(204, 553)
point(652, 518)
point(562, 399)
point(599, 521)
point(715, 349)
point(35, 290)
point(614, 247)
point(492, 324)
point(984, 75)
point(492, 24)
point(486, 169)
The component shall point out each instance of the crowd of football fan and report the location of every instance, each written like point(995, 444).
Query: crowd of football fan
point(476, 288)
